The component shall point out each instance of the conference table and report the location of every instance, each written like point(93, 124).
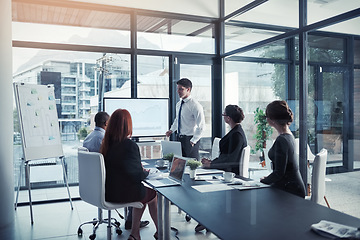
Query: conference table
point(260, 213)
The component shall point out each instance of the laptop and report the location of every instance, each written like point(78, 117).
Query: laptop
point(176, 174)
point(171, 147)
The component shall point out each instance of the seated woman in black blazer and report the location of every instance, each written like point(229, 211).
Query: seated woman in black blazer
point(286, 173)
point(232, 144)
point(124, 172)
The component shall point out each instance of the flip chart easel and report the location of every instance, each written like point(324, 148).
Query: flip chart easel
point(39, 128)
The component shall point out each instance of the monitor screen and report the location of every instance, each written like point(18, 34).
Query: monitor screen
point(150, 116)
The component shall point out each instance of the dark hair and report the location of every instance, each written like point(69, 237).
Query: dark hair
point(118, 129)
point(235, 113)
point(185, 83)
point(279, 112)
point(101, 118)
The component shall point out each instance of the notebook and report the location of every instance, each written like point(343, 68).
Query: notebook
point(176, 174)
point(171, 147)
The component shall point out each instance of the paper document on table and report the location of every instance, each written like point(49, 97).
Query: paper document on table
point(154, 173)
point(249, 185)
point(211, 187)
point(334, 230)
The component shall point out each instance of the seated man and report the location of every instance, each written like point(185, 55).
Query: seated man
point(93, 142)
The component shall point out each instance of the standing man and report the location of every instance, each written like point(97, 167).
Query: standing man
point(189, 121)
point(93, 142)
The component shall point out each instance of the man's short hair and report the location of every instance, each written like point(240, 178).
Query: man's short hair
point(185, 83)
point(101, 118)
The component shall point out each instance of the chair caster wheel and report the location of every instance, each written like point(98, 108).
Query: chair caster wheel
point(92, 236)
point(118, 231)
point(79, 232)
point(187, 218)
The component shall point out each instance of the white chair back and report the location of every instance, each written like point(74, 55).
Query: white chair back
point(268, 162)
point(92, 178)
point(92, 181)
point(215, 149)
point(310, 155)
point(244, 162)
point(318, 176)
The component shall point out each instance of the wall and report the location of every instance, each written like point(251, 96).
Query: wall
point(6, 124)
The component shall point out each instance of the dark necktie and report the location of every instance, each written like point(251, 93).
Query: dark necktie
point(179, 116)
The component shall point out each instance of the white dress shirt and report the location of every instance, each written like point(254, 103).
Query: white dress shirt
point(192, 119)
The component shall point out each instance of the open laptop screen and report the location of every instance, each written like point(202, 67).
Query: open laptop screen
point(177, 168)
point(171, 147)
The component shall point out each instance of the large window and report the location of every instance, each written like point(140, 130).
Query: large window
point(238, 35)
point(253, 85)
point(75, 76)
point(274, 50)
point(71, 35)
point(175, 35)
point(153, 77)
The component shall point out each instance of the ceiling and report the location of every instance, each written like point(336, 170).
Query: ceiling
point(101, 16)
point(116, 14)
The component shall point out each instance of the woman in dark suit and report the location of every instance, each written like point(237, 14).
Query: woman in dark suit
point(232, 144)
point(286, 173)
point(124, 172)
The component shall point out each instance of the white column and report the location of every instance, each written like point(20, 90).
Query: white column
point(6, 110)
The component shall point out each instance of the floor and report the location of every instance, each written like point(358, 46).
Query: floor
point(57, 221)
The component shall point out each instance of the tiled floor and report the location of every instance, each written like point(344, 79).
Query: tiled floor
point(57, 221)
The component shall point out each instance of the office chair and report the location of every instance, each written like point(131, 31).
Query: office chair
point(92, 190)
point(215, 149)
point(318, 178)
point(310, 155)
point(268, 163)
point(244, 162)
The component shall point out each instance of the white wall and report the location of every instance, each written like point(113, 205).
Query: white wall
point(6, 110)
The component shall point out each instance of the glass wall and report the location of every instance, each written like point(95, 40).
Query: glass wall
point(237, 35)
point(79, 76)
point(103, 61)
point(72, 35)
point(75, 76)
point(252, 86)
point(175, 35)
point(326, 49)
point(274, 50)
point(153, 77)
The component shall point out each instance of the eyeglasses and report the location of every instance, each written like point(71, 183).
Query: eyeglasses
point(224, 115)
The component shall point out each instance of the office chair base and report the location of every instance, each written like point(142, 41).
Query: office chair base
point(96, 222)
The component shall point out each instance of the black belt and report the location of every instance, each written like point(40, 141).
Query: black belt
point(183, 136)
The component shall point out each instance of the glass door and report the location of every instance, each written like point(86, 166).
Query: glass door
point(199, 72)
point(329, 107)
